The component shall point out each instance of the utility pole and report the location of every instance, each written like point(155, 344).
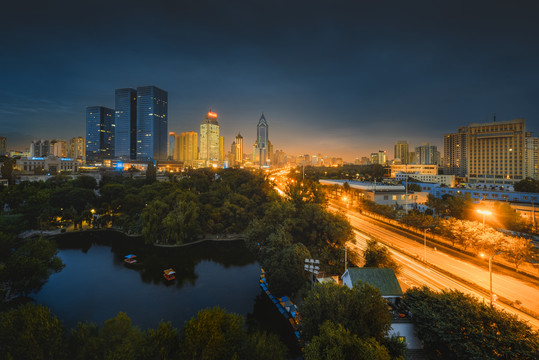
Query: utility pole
point(345, 258)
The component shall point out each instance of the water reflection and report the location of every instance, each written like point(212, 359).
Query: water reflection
point(96, 283)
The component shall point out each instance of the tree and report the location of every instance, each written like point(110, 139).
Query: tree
point(182, 224)
point(518, 249)
point(151, 173)
point(453, 325)
point(378, 256)
point(161, 343)
point(527, 185)
point(213, 334)
point(152, 217)
point(362, 310)
point(7, 169)
point(31, 332)
point(263, 346)
point(337, 343)
point(120, 339)
point(30, 266)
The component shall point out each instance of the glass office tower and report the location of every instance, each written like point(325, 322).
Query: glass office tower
point(126, 124)
point(99, 133)
point(152, 123)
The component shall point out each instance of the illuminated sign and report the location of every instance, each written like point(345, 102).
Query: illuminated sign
point(212, 114)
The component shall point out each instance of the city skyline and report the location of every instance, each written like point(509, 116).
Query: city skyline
point(344, 80)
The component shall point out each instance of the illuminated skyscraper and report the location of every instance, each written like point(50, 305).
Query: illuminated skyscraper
point(210, 133)
point(99, 133)
point(532, 158)
point(125, 124)
point(427, 155)
point(188, 147)
point(152, 123)
point(260, 147)
point(238, 150)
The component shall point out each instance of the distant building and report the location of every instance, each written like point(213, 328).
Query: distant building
point(77, 148)
point(456, 153)
point(125, 147)
point(39, 148)
point(152, 123)
point(379, 157)
point(210, 133)
point(2, 146)
point(58, 148)
point(446, 180)
point(383, 279)
point(261, 151)
point(99, 133)
point(496, 152)
point(414, 169)
point(51, 164)
point(238, 150)
point(188, 147)
point(401, 152)
point(532, 158)
point(221, 148)
point(173, 146)
point(427, 155)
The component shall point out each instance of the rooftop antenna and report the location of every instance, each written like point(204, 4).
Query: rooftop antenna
point(494, 117)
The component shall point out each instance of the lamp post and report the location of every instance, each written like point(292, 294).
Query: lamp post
point(484, 212)
point(490, 271)
point(425, 241)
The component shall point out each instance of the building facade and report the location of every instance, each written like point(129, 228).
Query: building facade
point(238, 150)
point(427, 154)
point(125, 147)
point(210, 133)
point(188, 147)
point(261, 145)
point(173, 146)
point(221, 148)
point(456, 153)
point(401, 152)
point(99, 133)
point(496, 152)
point(51, 164)
point(58, 148)
point(379, 157)
point(3, 149)
point(152, 123)
point(414, 169)
point(532, 158)
point(77, 148)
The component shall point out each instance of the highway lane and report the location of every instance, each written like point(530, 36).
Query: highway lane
point(414, 273)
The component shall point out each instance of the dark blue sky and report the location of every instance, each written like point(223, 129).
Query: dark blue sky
point(343, 78)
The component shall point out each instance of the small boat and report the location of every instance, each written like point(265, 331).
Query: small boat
point(130, 259)
point(169, 274)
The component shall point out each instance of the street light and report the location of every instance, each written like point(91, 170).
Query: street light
point(425, 241)
point(490, 271)
point(484, 212)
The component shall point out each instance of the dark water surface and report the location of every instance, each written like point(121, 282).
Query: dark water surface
point(96, 284)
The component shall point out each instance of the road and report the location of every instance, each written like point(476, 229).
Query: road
point(416, 273)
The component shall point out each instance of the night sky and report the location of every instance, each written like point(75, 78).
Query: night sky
point(343, 78)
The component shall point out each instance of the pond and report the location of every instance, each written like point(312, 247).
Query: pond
point(96, 283)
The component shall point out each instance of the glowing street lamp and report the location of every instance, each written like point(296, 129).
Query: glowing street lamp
point(484, 213)
point(490, 271)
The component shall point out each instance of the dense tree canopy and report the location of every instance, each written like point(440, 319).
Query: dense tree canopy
point(456, 326)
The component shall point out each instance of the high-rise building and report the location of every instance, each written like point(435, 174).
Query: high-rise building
point(496, 152)
point(221, 148)
point(39, 148)
point(238, 150)
point(125, 124)
point(58, 148)
point(173, 146)
point(456, 153)
point(99, 133)
point(260, 147)
point(427, 154)
point(152, 123)
point(401, 152)
point(210, 132)
point(77, 148)
point(2, 146)
point(532, 158)
point(379, 157)
point(188, 147)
